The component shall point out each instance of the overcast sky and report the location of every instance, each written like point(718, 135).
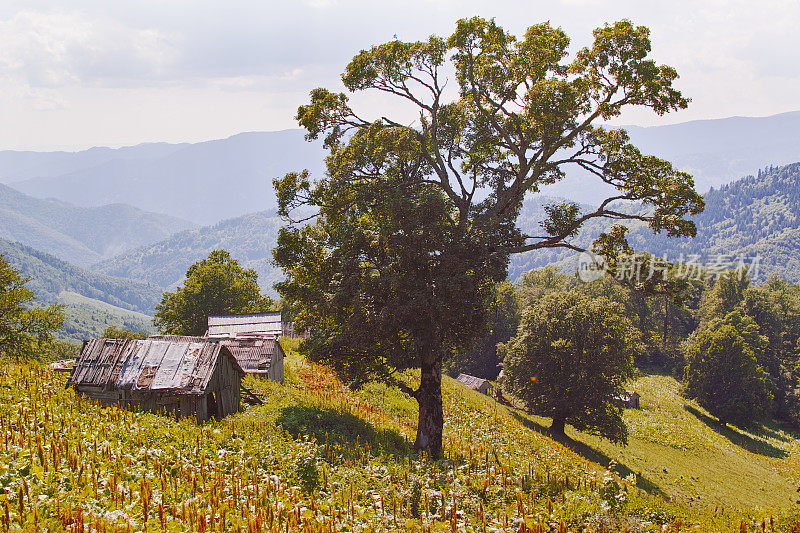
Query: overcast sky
point(75, 74)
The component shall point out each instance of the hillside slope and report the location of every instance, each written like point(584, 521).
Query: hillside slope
point(80, 235)
point(320, 457)
point(49, 277)
point(756, 216)
point(92, 301)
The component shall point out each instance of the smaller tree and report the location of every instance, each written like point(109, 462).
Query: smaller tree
point(24, 331)
point(113, 332)
point(723, 373)
point(214, 286)
point(570, 359)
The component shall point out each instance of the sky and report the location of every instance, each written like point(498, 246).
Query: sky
point(75, 74)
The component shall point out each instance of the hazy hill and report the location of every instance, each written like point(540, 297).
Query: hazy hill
point(21, 165)
point(249, 238)
point(80, 235)
point(215, 180)
point(203, 182)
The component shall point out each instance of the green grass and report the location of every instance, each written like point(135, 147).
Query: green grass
point(318, 453)
point(690, 456)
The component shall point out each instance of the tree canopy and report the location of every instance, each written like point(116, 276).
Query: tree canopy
point(24, 330)
point(217, 285)
point(413, 224)
point(723, 372)
point(570, 360)
point(113, 332)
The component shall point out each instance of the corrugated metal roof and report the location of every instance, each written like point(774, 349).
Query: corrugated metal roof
point(254, 353)
point(472, 382)
point(182, 365)
point(235, 325)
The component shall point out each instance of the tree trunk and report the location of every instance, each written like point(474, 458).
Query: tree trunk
point(558, 425)
point(429, 397)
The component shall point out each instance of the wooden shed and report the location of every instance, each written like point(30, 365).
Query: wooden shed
point(262, 324)
point(628, 399)
point(259, 355)
point(191, 377)
point(475, 383)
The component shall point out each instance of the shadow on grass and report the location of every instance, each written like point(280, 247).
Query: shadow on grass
point(740, 439)
point(778, 431)
point(590, 454)
point(344, 431)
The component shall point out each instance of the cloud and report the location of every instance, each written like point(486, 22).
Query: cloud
point(56, 49)
point(163, 67)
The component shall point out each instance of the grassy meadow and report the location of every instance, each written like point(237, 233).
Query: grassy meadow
point(319, 457)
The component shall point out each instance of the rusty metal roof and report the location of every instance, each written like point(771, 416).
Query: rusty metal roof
point(184, 366)
point(253, 353)
point(236, 325)
point(472, 382)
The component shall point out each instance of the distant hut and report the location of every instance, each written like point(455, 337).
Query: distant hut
point(481, 385)
point(262, 324)
point(191, 377)
point(628, 399)
point(257, 355)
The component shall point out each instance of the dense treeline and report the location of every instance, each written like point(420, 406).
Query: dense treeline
point(49, 277)
point(754, 216)
point(734, 343)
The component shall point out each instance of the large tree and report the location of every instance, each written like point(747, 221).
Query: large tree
point(25, 331)
point(415, 222)
point(217, 285)
point(570, 360)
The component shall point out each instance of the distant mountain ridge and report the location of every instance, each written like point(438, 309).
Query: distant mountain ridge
point(203, 182)
point(17, 165)
point(215, 180)
point(80, 235)
point(715, 151)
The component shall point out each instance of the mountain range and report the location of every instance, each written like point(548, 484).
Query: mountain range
point(202, 182)
point(215, 180)
point(110, 262)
